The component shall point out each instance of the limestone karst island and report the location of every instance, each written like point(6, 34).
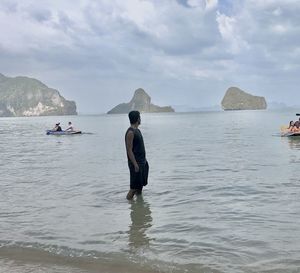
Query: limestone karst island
point(141, 101)
point(23, 96)
point(237, 99)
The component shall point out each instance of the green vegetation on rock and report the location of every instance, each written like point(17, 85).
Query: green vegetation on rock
point(141, 101)
point(23, 96)
point(237, 99)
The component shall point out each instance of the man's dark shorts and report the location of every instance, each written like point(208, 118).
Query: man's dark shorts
point(140, 178)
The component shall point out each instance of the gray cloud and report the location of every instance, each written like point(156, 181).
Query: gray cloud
point(181, 52)
point(40, 15)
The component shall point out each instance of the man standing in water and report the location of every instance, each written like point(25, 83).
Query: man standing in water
point(136, 154)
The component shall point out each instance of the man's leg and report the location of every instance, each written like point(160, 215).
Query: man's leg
point(130, 194)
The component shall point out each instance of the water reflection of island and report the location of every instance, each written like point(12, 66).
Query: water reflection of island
point(141, 220)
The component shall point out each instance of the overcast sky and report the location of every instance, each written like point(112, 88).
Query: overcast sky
point(182, 52)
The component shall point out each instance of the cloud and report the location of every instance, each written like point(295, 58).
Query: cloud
point(205, 5)
point(211, 4)
point(228, 27)
point(108, 48)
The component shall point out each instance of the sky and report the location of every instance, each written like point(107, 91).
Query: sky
point(181, 52)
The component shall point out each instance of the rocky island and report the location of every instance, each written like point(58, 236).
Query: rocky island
point(23, 96)
point(141, 101)
point(237, 99)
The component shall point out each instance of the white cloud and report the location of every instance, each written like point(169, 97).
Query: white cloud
point(228, 27)
point(114, 46)
point(211, 4)
point(280, 29)
point(23, 34)
point(259, 4)
point(145, 16)
point(203, 4)
point(196, 3)
point(277, 11)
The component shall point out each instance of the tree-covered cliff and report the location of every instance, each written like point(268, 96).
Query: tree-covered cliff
point(141, 101)
point(23, 96)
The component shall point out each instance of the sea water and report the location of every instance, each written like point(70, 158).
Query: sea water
point(223, 195)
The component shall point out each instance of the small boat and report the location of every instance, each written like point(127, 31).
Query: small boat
point(51, 132)
point(291, 134)
point(285, 132)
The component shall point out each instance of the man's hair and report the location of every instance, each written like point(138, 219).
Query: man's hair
point(133, 116)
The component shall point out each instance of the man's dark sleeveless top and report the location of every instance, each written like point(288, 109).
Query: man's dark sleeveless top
point(138, 146)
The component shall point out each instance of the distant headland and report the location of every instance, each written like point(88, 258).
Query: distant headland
point(23, 96)
point(237, 99)
point(141, 101)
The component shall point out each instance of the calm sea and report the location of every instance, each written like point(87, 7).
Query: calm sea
point(223, 195)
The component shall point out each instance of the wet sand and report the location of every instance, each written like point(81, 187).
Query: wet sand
point(23, 260)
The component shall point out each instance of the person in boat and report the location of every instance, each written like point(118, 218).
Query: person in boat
point(297, 125)
point(70, 127)
point(293, 127)
point(57, 127)
point(136, 155)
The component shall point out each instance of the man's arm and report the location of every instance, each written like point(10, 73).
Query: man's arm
point(129, 146)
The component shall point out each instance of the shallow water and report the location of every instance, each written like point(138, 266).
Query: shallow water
point(223, 195)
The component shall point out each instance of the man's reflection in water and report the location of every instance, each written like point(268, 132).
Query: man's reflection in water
point(141, 220)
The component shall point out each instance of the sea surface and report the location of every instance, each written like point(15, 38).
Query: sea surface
point(223, 195)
